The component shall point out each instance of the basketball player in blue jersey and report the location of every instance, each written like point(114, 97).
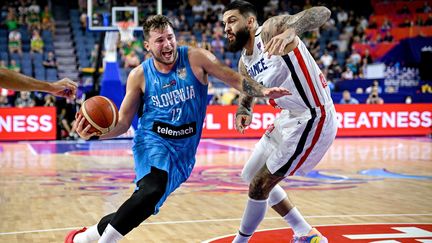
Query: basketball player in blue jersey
point(173, 87)
point(274, 55)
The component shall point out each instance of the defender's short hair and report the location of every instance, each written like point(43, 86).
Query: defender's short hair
point(245, 8)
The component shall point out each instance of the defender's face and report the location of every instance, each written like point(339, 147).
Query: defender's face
point(236, 29)
point(163, 45)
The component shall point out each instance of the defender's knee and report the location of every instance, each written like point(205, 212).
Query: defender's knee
point(259, 190)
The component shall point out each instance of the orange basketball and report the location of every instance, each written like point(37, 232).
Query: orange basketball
point(101, 113)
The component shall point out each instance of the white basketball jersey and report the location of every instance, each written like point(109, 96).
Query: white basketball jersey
point(297, 71)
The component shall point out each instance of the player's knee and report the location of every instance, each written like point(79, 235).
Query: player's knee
point(258, 191)
point(150, 195)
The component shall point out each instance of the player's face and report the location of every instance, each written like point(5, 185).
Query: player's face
point(163, 45)
point(236, 29)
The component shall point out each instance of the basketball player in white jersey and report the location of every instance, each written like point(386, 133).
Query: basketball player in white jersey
point(274, 55)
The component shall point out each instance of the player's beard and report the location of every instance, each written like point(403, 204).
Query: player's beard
point(241, 38)
point(161, 60)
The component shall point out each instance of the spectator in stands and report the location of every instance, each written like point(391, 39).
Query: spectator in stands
point(204, 43)
point(193, 42)
point(3, 64)
point(96, 19)
point(217, 45)
point(14, 66)
point(94, 52)
point(314, 46)
point(359, 90)
point(47, 20)
point(182, 40)
point(137, 45)
point(355, 57)
point(341, 16)
point(218, 29)
point(352, 66)
point(373, 24)
point(406, 23)
point(11, 21)
point(215, 99)
point(227, 96)
point(390, 89)
point(198, 10)
point(428, 20)
point(361, 72)
point(367, 58)
point(334, 72)
point(330, 83)
point(50, 61)
point(83, 22)
point(347, 74)
point(49, 100)
point(387, 37)
point(419, 21)
point(408, 100)
point(15, 42)
point(131, 61)
point(174, 19)
point(67, 109)
point(386, 25)
point(425, 8)
point(378, 39)
point(404, 10)
point(34, 7)
point(375, 86)
point(235, 100)
point(374, 97)
point(208, 29)
point(347, 99)
point(25, 100)
point(363, 22)
point(184, 26)
point(326, 59)
point(33, 21)
point(36, 43)
point(4, 102)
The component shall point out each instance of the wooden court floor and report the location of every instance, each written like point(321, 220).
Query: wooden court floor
point(49, 188)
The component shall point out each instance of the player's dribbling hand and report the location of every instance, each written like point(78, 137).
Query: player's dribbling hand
point(242, 122)
point(277, 44)
point(275, 92)
point(80, 130)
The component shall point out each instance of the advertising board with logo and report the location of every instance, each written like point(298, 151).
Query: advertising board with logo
point(35, 123)
point(353, 120)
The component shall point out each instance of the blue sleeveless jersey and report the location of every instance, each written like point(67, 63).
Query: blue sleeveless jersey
point(170, 127)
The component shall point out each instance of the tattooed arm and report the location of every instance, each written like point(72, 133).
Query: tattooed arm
point(279, 32)
point(301, 22)
point(204, 62)
point(246, 102)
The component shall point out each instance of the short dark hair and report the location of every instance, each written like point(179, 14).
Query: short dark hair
point(155, 22)
point(245, 8)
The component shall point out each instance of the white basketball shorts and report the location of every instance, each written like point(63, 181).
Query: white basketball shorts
point(295, 144)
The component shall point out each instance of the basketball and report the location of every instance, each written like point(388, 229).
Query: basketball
point(101, 113)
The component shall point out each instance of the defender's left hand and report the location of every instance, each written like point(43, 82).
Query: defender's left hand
point(278, 43)
point(275, 92)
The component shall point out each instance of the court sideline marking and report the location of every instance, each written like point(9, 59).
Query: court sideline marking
point(221, 220)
